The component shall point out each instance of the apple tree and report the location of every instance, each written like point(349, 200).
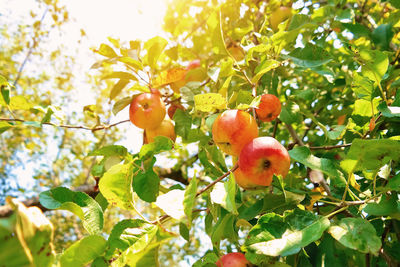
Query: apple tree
point(270, 129)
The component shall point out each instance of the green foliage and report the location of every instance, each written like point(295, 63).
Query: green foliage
point(334, 65)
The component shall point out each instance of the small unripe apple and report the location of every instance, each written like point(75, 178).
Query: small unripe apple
point(232, 129)
point(259, 160)
point(172, 109)
point(236, 52)
point(166, 128)
point(147, 111)
point(269, 108)
point(234, 259)
point(278, 16)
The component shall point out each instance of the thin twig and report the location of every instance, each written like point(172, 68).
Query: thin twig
point(93, 129)
point(294, 134)
point(328, 147)
point(217, 180)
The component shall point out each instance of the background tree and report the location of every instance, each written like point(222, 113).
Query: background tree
point(334, 67)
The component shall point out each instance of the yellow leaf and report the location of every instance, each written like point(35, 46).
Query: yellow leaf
point(19, 102)
point(209, 102)
point(354, 183)
point(169, 76)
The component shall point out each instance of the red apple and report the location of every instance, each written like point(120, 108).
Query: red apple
point(234, 259)
point(147, 111)
point(278, 16)
point(166, 128)
point(269, 108)
point(193, 64)
point(259, 160)
point(232, 129)
point(172, 109)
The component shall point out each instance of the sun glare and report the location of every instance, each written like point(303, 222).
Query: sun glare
point(124, 19)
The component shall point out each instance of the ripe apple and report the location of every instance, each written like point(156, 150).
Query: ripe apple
point(278, 16)
point(269, 108)
point(172, 109)
point(234, 259)
point(147, 110)
point(259, 160)
point(166, 128)
point(232, 129)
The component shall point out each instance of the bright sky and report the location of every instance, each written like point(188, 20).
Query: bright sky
point(121, 19)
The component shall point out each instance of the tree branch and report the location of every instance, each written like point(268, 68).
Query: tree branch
point(93, 129)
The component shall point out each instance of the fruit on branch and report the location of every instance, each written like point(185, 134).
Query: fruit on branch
point(193, 74)
point(269, 108)
point(147, 110)
point(278, 16)
point(172, 109)
point(234, 259)
point(232, 129)
point(237, 52)
point(166, 128)
point(259, 160)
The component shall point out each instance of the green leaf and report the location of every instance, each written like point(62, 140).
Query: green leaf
point(301, 21)
point(370, 154)
point(135, 243)
point(26, 237)
point(116, 186)
point(121, 104)
point(358, 30)
point(363, 87)
point(329, 254)
point(5, 87)
point(336, 132)
point(389, 111)
point(172, 203)
point(224, 228)
point(276, 235)
point(382, 36)
point(290, 113)
point(128, 233)
point(183, 123)
point(107, 51)
point(208, 260)
point(154, 48)
point(374, 64)
point(209, 102)
point(118, 87)
point(310, 56)
point(113, 150)
point(190, 198)
point(184, 231)
point(358, 234)
point(387, 206)
point(146, 185)
point(4, 126)
point(83, 251)
point(160, 144)
point(224, 195)
point(79, 203)
point(363, 107)
point(263, 68)
point(304, 156)
point(280, 203)
point(120, 75)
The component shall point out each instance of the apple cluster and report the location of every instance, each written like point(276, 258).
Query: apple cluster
point(235, 132)
point(147, 111)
